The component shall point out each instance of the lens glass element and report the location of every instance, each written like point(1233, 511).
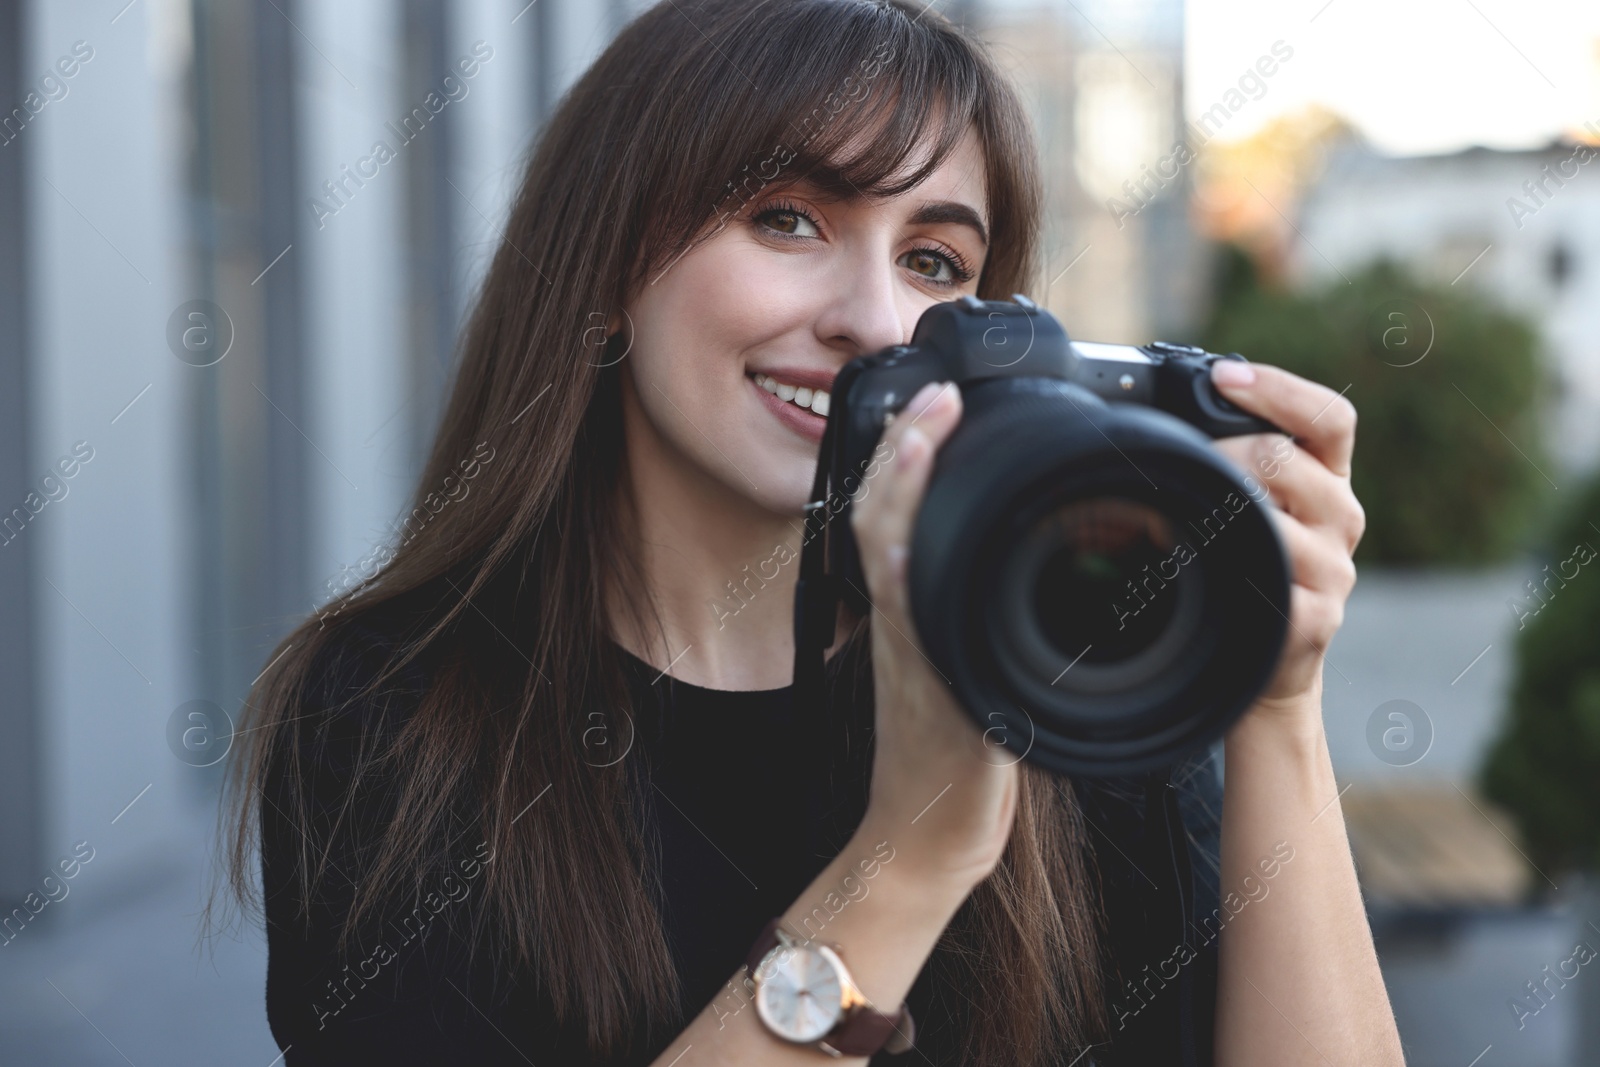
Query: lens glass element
point(1098, 594)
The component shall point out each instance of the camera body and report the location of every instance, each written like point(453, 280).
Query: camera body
point(1075, 464)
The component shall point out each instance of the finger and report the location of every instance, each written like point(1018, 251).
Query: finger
point(883, 519)
point(1299, 484)
point(921, 427)
point(933, 399)
point(1321, 499)
point(1316, 561)
point(1314, 619)
point(1322, 420)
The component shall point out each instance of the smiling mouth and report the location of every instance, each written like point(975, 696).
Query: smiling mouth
point(813, 400)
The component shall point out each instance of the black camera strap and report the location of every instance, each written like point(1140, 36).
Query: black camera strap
point(816, 608)
point(816, 593)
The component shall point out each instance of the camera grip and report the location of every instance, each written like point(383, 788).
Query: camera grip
point(1187, 391)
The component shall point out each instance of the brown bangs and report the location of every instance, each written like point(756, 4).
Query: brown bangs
point(857, 98)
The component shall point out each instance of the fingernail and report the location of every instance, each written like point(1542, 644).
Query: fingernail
point(896, 556)
point(913, 446)
point(1233, 372)
point(924, 399)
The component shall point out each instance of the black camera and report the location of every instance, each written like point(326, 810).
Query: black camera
point(1101, 588)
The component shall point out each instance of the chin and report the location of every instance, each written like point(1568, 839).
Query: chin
point(785, 484)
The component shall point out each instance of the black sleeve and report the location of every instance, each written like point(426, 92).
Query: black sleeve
point(406, 991)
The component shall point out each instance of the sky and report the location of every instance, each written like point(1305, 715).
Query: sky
point(1414, 76)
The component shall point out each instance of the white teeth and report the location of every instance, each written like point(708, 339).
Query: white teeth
point(815, 400)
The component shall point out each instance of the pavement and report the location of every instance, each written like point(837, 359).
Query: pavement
point(131, 982)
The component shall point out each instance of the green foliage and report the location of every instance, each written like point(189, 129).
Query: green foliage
point(1434, 465)
point(1543, 767)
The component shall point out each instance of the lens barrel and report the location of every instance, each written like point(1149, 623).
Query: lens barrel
point(1104, 591)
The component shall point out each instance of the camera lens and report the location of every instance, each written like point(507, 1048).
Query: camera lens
point(1096, 580)
point(1089, 599)
point(1100, 550)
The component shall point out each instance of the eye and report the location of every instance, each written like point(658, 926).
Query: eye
point(787, 219)
point(937, 266)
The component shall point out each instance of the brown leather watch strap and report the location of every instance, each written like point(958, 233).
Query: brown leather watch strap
point(866, 1030)
point(763, 945)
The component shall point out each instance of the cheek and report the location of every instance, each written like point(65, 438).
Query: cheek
point(699, 324)
point(692, 336)
point(718, 309)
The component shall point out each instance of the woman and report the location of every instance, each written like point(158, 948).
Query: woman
point(532, 792)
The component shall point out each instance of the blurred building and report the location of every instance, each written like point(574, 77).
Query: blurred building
point(1104, 83)
point(225, 317)
point(1524, 226)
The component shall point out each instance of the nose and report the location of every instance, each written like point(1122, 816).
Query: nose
point(866, 309)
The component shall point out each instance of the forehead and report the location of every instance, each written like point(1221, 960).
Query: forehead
point(960, 176)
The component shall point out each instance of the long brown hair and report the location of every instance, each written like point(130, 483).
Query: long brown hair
point(688, 112)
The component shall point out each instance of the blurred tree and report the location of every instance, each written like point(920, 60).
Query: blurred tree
point(1444, 382)
point(1542, 769)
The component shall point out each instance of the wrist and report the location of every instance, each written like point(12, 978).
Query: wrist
point(1295, 720)
point(880, 914)
point(1285, 734)
point(923, 869)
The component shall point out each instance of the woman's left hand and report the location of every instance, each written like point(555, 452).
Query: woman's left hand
point(1312, 948)
point(1318, 517)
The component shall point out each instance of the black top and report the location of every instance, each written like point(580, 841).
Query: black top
point(726, 868)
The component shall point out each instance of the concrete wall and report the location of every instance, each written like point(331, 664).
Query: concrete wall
point(111, 587)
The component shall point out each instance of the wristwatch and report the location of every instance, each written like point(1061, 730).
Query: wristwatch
point(805, 995)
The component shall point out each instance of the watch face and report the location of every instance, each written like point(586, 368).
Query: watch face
point(801, 998)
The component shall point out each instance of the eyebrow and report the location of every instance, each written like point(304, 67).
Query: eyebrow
point(828, 183)
point(938, 211)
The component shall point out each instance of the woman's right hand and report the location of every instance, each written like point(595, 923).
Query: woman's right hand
point(943, 798)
